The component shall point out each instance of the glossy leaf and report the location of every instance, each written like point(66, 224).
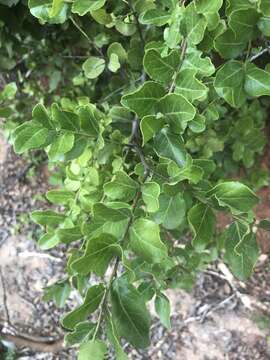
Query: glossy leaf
point(131, 317)
point(202, 221)
point(145, 241)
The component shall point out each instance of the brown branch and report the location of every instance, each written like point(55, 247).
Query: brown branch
point(5, 297)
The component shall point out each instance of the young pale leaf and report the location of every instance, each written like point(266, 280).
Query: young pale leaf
point(30, 135)
point(150, 194)
point(47, 217)
point(161, 68)
point(145, 241)
point(63, 144)
point(229, 83)
point(150, 125)
point(171, 146)
point(98, 254)
point(257, 81)
point(93, 350)
point(114, 64)
point(48, 241)
point(157, 17)
point(163, 309)
point(82, 7)
point(195, 24)
point(143, 100)
point(189, 87)
point(122, 187)
point(93, 67)
point(91, 302)
point(56, 8)
point(202, 220)
point(176, 110)
point(131, 318)
point(238, 197)
point(194, 61)
point(172, 211)
point(241, 250)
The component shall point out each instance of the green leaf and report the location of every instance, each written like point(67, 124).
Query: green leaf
point(229, 45)
point(56, 8)
point(177, 111)
point(264, 25)
point(234, 195)
point(150, 194)
point(47, 217)
point(60, 146)
point(257, 81)
point(157, 17)
point(170, 146)
point(189, 86)
point(89, 120)
point(243, 23)
point(98, 254)
point(93, 67)
point(122, 187)
point(114, 64)
point(145, 241)
point(91, 302)
point(241, 250)
point(82, 7)
point(143, 100)
point(172, 211)
point(117, 49)
point(48, 241)
point(131, 318)
point(229, 83)
point(42, 9)
point(9, 92)
point(264, 7)
point(194, 61)
point(163, 309)
point(81, 333)
point(66, 119)
point(195, 24)
point(40, 114)
point(202, 221)
point(264, 224)
point(161, 68)
point(92, 350)
point(58, 292)
point(67, 235)
point(60, 196)
point(208, 6)
point(30, 135)
point(103, 212)
point(114, 339)
point(150, 125)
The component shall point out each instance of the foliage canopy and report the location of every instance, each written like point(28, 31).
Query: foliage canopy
point(149, 109)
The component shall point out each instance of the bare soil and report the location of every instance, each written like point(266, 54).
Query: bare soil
point(221, 318)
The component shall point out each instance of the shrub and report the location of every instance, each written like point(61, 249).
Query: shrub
point(162, 103)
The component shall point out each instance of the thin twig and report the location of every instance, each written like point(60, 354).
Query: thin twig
point(85, 35)
point(254, 57)
point(182, 57)
point(137, 22)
